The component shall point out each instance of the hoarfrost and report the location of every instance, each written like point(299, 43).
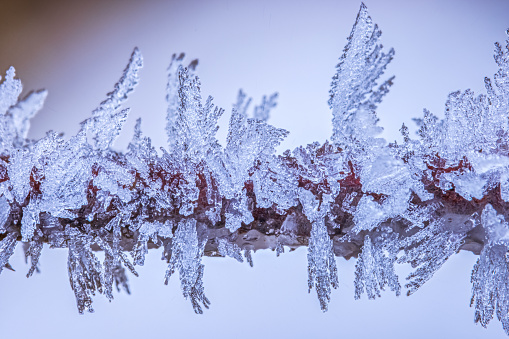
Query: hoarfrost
point(5, 210)
point(353, 99)
point(10, 89)
point(85, 273)
point(105, 123)
point(375, 267)
point(490, 288)
point(34, 252)
point(353, 196)
point(427, 250)
point(186, 253)
point(21, 114)
point(262, 112)
point(249, 152)
point(322, 271)
point(248, 256)
point(7, 246)
point(229, 249)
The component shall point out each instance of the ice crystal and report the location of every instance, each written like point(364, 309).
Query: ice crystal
point(10, 89)
point(5, 210)
point(248, 256)
point(490, 287)
point(7, 245)
point(353, 96)
point(191, 128)
point(427, 250)
point(21, 114)
point(228, 249)
point(322, 271)
point(186, 253)
point(106, 123)
point(34, 252)
point(64, 190)
point(375, 266)
point(85, 273)
point(249, 152)
point(262, 112)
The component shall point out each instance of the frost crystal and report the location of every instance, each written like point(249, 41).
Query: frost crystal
point(186, 253)
point(34, 252)
point(85, 274)
point(228, 249)
point(249, 152)
point(262, 112)
point(10, 89)
point(5, 210)
point(7, 245)
point(375, 266)
point(490, 287)
point(322, 271)
point(106, 123)
point(353, 98)
point(21, 114)
point(428, 250)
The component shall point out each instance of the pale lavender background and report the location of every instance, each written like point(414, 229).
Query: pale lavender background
point(78, 53)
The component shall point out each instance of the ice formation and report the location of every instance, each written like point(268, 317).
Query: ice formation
point(417, 202)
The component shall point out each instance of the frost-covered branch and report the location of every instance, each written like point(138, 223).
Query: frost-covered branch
point(418, 202)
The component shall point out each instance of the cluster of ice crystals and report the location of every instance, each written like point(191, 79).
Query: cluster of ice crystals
point(249, 155)
point(490, 285)
point(195, 124)
point(186, 254)
point(229, 249)
point(490, 288)
point(419, 215)
point(33, 251)
point(85, 273)
point(322, 270)
point(191, 128)
point(141, 154)
point(274, 185)
point(353, 96)
point(375, 267)
point(7, 246)
point(51, 178)
point(428, 249)
point(21, 114)
point(469, 146)
point(63, 190)
point(106, 121)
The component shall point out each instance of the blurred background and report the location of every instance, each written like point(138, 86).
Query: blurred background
point(78, 50)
